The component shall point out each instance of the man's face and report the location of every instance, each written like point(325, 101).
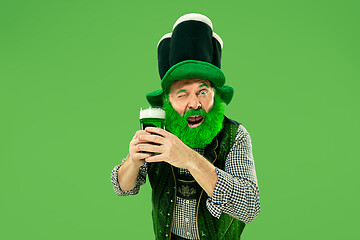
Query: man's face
point(194, 112)
point(187, 94)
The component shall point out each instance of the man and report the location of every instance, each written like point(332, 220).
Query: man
point(202, 176)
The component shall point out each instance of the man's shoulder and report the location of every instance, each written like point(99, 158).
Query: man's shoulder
point(241, 130)
point(231, 121)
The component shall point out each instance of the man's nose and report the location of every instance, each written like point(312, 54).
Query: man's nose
point(194, 103)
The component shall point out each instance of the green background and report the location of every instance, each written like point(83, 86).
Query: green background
point(73, 78)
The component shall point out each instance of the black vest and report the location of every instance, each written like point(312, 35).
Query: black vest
point(164, 182)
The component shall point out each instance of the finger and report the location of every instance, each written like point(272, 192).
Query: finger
point(135, 139)
point(158, 131)
point(142, 155)
point(149, 148)
point(152, 138)
point(140, 132)
point(155, 158)
point(134, 142)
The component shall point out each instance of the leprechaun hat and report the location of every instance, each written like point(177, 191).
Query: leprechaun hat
point(192, 50)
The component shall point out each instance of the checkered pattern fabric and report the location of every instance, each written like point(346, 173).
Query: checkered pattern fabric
point(184, 224)
point(236, 192)
point(141, 179)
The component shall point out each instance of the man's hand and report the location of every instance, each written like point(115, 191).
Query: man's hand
point(173, 151)
point(128, 172)
point(170, 148)
point(137, 156)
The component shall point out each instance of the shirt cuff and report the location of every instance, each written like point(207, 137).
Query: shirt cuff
point(118, 191)
point(221, 194)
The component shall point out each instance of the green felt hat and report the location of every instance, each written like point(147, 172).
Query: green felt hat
point(192, 50)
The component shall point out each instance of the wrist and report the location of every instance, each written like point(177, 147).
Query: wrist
point(134, 164)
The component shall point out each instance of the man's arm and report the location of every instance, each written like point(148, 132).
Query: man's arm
point(128, 173)
point(140, 179)
point(204, 173)
point(128, 176)
point(232, 191)
point(236, 192)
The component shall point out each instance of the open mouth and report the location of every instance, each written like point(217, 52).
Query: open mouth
point(195, 120)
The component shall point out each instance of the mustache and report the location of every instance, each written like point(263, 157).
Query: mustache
point(192, 112)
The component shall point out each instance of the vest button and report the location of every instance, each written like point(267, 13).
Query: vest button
point(167, 225)
point(171, 200)
point(168, 214)
point(166, 235)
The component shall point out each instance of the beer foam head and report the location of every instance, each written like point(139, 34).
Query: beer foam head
point(152, 113)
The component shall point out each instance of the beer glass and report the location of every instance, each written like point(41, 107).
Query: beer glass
point(152, 117)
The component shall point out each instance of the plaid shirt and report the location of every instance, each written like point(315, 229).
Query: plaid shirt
point(236, 192)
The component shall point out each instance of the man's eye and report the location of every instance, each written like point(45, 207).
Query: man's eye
point(203, 92)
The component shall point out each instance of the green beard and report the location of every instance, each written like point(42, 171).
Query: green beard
point(202, 135)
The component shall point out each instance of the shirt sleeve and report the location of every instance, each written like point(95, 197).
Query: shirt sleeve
point(236, 192)
point(141, 179)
